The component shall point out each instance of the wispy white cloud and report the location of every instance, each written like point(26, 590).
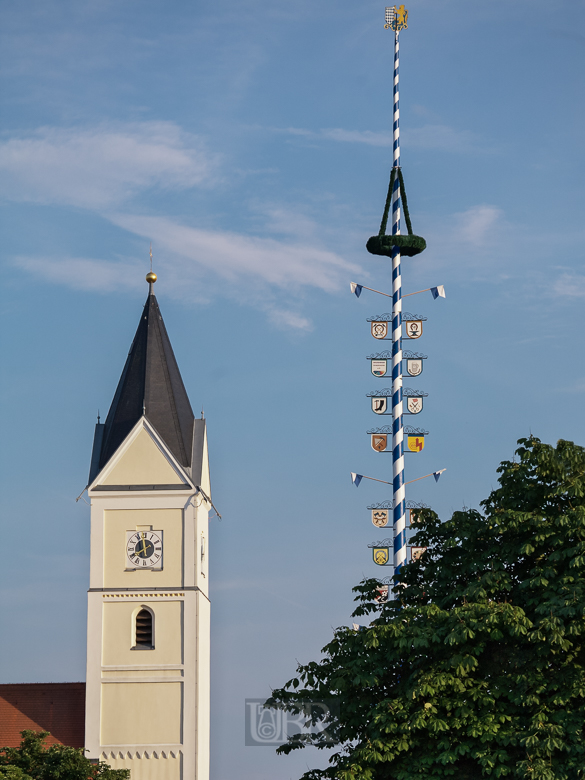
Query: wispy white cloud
point(287, 222)
point(443, 138)
point(474, 224)
point(476, 244)
point(199, 264)
point(286, 320)
point(102, 167)
point(83, 273)
point(578, 386)
point(236, 257)
point(369, 137)
point(430, 136)
point(570, 285)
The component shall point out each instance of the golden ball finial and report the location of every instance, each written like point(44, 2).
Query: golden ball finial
point(151, 277)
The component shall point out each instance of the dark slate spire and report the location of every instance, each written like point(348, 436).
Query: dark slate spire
point(150, 384)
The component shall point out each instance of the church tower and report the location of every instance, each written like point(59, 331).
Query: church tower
point(147, 700)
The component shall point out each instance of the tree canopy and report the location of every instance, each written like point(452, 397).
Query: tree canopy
point(32, 760)
point(475, 667)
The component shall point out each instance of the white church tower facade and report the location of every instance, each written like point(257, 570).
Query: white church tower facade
point(148, 636)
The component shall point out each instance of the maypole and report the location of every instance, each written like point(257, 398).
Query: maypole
point(399, 512)
point(395, 246)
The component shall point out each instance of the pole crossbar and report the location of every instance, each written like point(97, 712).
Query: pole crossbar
point(435, 474)
point(405, 295)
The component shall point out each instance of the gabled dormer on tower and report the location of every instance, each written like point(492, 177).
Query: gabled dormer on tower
point(148, 608)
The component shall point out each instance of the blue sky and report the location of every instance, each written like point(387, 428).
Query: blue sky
point(250, 143)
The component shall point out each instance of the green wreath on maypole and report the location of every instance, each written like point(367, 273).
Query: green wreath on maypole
point(408, 245)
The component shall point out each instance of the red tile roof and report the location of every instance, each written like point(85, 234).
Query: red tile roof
point(55, 707)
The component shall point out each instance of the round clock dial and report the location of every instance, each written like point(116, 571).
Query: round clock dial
point(144, 550)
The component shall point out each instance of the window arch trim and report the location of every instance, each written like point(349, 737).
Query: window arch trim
point(143, 630)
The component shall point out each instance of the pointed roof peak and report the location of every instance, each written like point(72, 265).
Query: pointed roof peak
point(150, 386)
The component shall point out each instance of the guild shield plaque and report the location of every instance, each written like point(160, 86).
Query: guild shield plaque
point(414, 517)
point(416, 552)
point(413, 367)
point(413, 328)
point(379, 367)
point(379, 405)
point(380, 517)
point(414, 404)
point(381, 555)
point(415, 443)
point(379, 442)
point(379, 330)
point(381, 594)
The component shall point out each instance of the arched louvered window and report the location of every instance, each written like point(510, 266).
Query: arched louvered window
point(144, 633)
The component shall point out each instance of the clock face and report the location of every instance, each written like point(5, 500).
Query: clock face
point(144, 549)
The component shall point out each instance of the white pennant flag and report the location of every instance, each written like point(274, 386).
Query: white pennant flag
point(438, 292)
point(356, 288)
point(356, 478)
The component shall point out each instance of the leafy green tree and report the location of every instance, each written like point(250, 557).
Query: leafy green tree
point(34, 761)
point(476, 666)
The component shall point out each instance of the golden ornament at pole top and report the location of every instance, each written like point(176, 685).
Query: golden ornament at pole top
point(396, 18)
point(151, 277)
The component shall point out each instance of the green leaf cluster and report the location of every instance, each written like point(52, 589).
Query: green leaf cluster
point(476, 666)
point(32, 760)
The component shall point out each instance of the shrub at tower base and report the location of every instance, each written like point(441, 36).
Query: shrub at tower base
point(476, 668)
point(33, 761)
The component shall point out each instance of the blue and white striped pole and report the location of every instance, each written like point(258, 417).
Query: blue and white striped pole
point(397, 427)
